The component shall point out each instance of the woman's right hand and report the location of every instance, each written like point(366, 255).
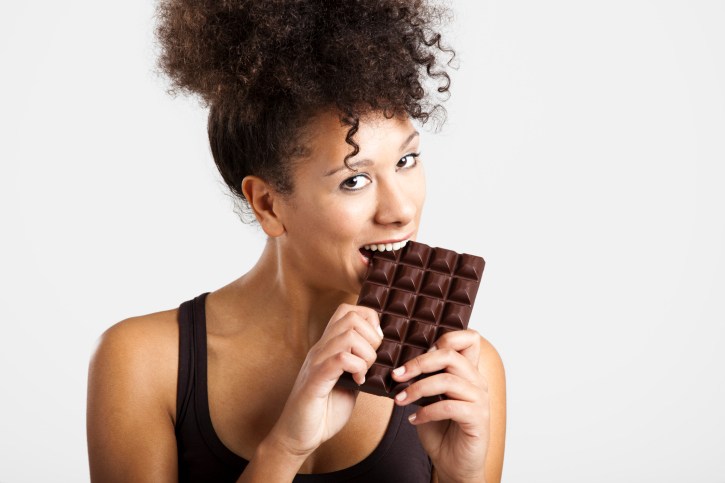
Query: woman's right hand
point(316, 410)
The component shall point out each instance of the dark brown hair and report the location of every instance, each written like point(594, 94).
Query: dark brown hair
point(265, 67)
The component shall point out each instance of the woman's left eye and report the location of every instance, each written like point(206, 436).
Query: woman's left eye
point(408, 161)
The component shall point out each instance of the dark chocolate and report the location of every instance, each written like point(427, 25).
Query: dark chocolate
point(420, 293)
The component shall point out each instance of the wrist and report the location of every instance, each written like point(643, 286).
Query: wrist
point(272, 463)
point(273, 447)
point(445, 479)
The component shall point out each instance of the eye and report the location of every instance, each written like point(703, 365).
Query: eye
point(355, 183)
point(408, 161)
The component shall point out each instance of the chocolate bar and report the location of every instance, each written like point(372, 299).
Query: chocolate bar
point(420, 293)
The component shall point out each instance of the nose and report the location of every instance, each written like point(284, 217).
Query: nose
point(396, 205)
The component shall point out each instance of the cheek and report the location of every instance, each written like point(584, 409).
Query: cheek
point(331, 218)
point(419, 188)
point(347, 216)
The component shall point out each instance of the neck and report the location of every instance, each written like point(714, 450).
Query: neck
point(285, 304)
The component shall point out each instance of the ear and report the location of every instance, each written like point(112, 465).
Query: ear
point(262, 197)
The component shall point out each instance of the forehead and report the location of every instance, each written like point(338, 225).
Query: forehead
point(324, 137)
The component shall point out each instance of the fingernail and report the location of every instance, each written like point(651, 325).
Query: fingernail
point(399, 371)
point(362, 382)
point(401, 395)
point(433, 348)
point(380, 331)
point(411, 418)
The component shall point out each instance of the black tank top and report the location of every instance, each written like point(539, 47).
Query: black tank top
point(398, 458)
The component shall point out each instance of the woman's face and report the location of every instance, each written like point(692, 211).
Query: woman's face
point(334, 211)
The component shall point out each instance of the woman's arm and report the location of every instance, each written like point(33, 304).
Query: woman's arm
point(131, 402)
point(491, 366)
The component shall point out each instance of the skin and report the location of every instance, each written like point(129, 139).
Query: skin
point(299, 299)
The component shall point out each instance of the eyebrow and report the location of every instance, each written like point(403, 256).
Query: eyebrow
point(366, 162)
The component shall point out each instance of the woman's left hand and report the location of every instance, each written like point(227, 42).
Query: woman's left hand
point(454, 432)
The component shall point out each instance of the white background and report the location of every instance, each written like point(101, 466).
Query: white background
point(583, 159)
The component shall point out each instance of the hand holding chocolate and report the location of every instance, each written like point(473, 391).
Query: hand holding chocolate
point(420, 293)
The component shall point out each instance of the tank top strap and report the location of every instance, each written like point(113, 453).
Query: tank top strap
point(192, 354)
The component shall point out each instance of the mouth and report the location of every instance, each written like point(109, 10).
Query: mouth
point(387, 246)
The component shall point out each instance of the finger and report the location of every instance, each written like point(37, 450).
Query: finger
point(471, 417)
point(370, 331)
point(372, 318)
point(353, 343)
point(452, 386)
point(368, 314)
point(447, 360)
point(467, 342)
point(333, 367)
point(340, 312)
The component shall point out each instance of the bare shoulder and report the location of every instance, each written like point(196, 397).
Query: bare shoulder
point(491, 367)
point(132, 400)
point(145, 347)
point(146, 336)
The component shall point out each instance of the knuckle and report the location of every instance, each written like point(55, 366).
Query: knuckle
point(448, 408)
point(448, 354)
point(346, 306)
point(354, 311)
point(348, 319)
point(359, 320)
point(368, 311)
point(342, 311)
point(449, 379)
point(354, 314)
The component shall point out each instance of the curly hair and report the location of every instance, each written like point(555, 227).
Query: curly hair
point(265, 67)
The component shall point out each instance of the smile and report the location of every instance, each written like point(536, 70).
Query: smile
point(383, 247)
point(388, 246)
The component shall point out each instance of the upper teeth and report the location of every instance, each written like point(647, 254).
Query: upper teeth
point(382, 247)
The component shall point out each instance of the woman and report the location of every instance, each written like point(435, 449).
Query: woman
point(310, 124)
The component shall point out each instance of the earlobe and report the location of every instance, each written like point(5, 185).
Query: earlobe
point(262, 197)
